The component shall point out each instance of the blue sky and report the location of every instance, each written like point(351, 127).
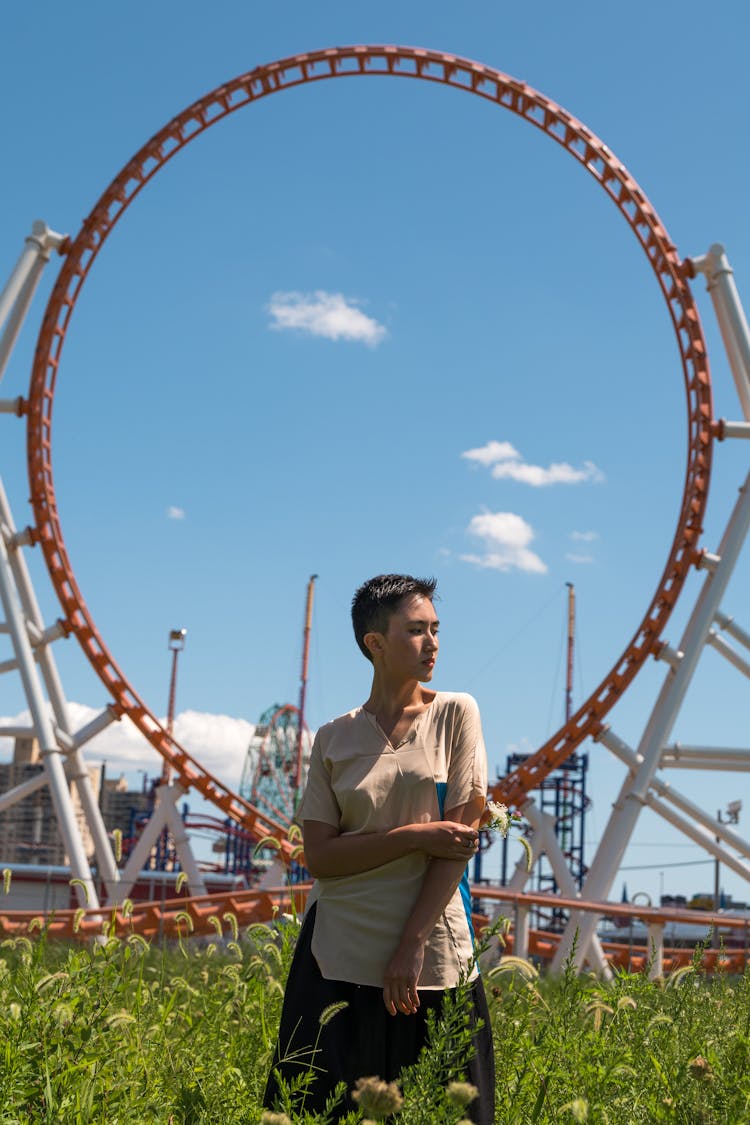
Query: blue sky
point(297, 334)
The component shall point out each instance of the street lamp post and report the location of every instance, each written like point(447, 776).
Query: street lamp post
point(731, 816)
point(176, 645)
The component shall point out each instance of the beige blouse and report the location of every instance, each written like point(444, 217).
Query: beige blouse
point(359, 783)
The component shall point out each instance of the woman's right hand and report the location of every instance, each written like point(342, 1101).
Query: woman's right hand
point(447, 839)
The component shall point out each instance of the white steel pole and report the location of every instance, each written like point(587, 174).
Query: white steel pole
point(63, 804)
point(20, 792)
point(77, 769)
point(678, 756)
point(544, 832)
point(696, 824)
point(181, 839)
point(627, 808)
point(725, 649)
point(146, 841)
point(19, 291)
point(729, 625)
point(656, 945)
point(730, 315)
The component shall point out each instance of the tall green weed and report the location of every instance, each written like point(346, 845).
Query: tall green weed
point(119, 1032)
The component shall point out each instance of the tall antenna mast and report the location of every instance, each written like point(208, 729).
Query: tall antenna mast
point(571, 648)
point(303, 682)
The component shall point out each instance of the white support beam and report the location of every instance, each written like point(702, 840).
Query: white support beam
point(28, 606)
point(51, 753)
point(729, 625)
point(521, 931)
point(99, 723)
point(18, 293)
point(700, 836)
point(724, 648)
point(545, 840)
point(697, 824)
point(656, 949)
point(731, 317)
point(678, 756)
point(21, 791)
point(165, 815)
point(627, 807)
point(176, 824)
point(12, 406)
point(141, 851)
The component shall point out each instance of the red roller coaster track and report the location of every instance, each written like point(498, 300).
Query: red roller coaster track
point(595, 157)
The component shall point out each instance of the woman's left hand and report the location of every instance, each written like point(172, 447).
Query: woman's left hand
point(400, 979)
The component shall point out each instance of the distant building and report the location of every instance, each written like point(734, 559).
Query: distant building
point(120, 805)
point(29, 830)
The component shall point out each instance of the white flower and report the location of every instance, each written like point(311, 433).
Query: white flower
point(499, 818)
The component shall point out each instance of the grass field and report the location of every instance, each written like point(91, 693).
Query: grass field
point(119, 1032)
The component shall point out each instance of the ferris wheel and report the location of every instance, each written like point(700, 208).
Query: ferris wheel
point(276, 762)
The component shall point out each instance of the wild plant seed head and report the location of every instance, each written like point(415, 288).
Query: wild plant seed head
point(85, 886)
point(332, 1010)
point(461, 1093)
point(180, 881)
point(117, 843)
point(7, 876)
point(183, 916)
point(231, 918)
point(579, 1109)
point(376, 1098)
point(701, 1069)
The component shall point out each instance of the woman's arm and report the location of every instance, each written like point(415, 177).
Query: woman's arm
point(440, 882)
point(329, 853)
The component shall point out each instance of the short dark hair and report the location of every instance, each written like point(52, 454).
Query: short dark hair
point(377, 599)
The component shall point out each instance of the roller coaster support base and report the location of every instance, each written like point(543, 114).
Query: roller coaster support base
point(635, 792)
point(166, 815)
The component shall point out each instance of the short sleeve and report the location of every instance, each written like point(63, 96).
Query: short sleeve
point(318, 800)
point(467, 761)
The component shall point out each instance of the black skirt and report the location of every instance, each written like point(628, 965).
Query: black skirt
point(363, 1039)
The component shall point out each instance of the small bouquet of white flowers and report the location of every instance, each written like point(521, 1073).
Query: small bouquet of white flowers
point(499, 818)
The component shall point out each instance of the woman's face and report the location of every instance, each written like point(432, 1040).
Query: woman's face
point(410, 645)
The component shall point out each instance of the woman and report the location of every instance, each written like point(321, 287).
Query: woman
point(390, 815)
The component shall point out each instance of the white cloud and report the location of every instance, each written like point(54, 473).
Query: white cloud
point(579, 558)
point(491, 452)
point(218, 742)
point(584, 536)
point(331, 315)
point(506, 463)
point(174, 513)
point(506, 539)
point(559, 472)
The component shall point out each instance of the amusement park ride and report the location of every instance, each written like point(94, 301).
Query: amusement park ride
point(262, 811)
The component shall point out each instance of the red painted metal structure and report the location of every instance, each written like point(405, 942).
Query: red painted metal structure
point(596, 159)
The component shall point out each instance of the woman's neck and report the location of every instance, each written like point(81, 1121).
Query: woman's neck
point(390, 701)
